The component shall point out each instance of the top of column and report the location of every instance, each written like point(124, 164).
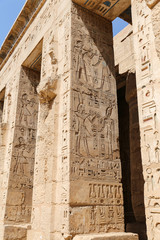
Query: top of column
point(108, 9)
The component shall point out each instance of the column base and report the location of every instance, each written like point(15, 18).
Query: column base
point(35, 235)
point(108, 236)
point(15, 233)
point(138, 228)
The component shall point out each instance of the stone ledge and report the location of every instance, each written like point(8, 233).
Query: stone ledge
point(107, 236)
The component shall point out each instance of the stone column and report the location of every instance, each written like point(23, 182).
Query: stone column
point(21, 166)
point(77, 181)
point(3, 136)
point(96, 199)
point(148, 92)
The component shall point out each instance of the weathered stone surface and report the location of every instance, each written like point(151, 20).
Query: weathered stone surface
point(147, 78)
point(12, 233)
point(155, 23)
point(60, 167)
point(123, 50)
point(108, 236)
point(108, 9)
point(151, 3)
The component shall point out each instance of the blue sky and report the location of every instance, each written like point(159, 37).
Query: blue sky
point(10, 9)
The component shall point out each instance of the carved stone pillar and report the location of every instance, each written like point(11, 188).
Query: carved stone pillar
point(155, 11)
point(77, 181)
point(95, 168)
point(148, 92)
point(21, 166)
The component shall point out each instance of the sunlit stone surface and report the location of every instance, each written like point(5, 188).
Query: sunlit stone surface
point(67, 170)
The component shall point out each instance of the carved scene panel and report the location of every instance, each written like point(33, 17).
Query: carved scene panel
point(19, 199)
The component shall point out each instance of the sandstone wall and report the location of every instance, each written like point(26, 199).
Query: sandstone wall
point(18, 131)
point(75, 165)
point(124, 50)
point(147, 77)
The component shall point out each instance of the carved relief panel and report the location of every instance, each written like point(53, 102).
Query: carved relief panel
point(19, 199)
point(147, 71)
point(95, 168)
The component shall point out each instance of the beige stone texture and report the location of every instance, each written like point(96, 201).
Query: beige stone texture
point(124, 50)
point(64, 127)
point(155, 22)
point(147, 78)
point(107, 9)
point(151, 3)
point(15, 233)
point(108, 236)
point(60, 167)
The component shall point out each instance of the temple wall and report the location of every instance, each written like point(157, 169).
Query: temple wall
point(20, 185)
point(7, 135)
point(77, 185)
point(77, 174)
point(147, 77)
point(61, 172)
point(17, 163)
point(155, 22)
point(94, 158)
point(124, 50)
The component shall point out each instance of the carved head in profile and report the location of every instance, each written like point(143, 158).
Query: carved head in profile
point(108, 111)
point(80, 108)
point(32, 102)
point(21, 140)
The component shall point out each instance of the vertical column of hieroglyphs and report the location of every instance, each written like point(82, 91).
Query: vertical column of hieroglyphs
point(51, 182)
point(7, 130)
point(63, 188)
point(96, 202)
point(148, 85)
point(19, 198)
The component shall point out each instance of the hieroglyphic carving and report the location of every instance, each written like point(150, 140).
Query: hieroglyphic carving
point(148, 111)
point(19, 198)
point(17, 233)
point(64, 41)
point(110, 194)
point(96, 193)
point(143, 37)
point(97, 219)
point(95, 169)
point(93, 100)
point(155, 23)
point(94, 133)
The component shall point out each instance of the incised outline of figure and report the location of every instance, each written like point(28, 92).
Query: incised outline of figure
point(91, 69)
point(25, 113)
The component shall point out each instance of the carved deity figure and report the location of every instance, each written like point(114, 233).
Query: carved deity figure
point(21, 160)
point(157, 152)
point(91, 69)
point(33, 119)
point(148, 150)
point(25, 113)
point(82, 132)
